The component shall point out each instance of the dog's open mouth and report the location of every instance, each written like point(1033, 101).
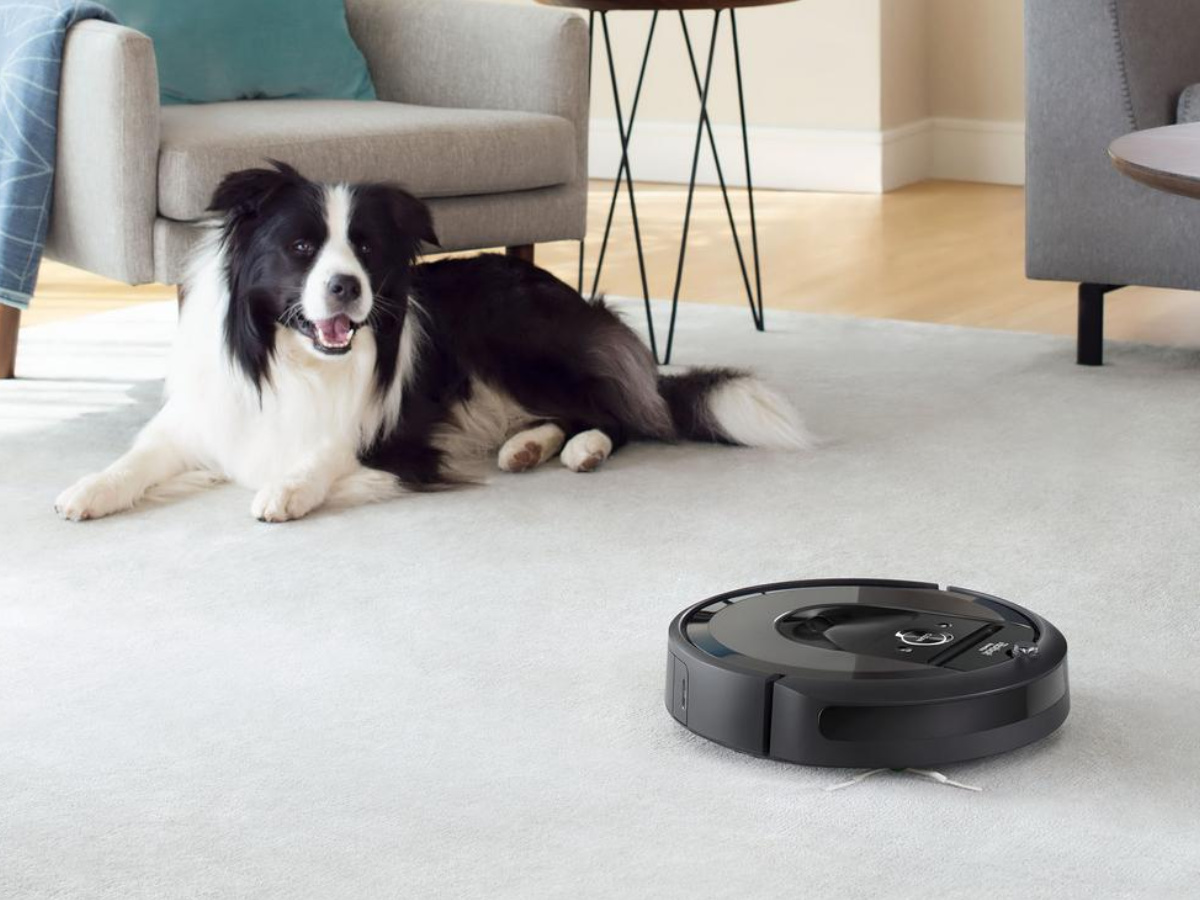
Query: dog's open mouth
point(332, 336)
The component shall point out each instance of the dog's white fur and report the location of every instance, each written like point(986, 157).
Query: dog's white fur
point(756, 415)
point(296, 443)
point(587, 450)
point(336, 257)
point(476, 428)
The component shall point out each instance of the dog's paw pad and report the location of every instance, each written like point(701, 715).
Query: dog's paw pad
point(591, 463)
point(530, 449)
point(525, 458)
point(586, 451)
point(285, 502)
point(91, 497)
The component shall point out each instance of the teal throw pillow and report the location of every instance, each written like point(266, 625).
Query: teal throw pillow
point(211, 50)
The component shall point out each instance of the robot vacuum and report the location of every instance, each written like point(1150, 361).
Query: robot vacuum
point(863, 673)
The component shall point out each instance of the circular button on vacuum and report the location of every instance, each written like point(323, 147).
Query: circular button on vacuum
point(917, 637)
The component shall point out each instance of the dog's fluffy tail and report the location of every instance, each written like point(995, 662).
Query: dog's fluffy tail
point(726, 406)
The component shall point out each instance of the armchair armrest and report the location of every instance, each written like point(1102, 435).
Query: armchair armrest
point(469, 54)
point(106, 174)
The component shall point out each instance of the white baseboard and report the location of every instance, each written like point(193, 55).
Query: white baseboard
point(978, 150)
point(907, 155)
point(803, 159)
point(783, 158)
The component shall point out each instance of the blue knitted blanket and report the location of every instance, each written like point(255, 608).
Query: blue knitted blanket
point(32, 34)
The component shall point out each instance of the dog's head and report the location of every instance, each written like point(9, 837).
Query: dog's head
point(322, 260)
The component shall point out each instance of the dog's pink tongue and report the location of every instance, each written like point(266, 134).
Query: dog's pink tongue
point(335, 331)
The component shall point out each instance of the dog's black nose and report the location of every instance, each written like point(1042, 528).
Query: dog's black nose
point(345, 288)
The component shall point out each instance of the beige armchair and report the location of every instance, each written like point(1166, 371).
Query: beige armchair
point(482, 112)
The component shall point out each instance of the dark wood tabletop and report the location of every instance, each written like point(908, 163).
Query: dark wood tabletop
point(1164, 158)
point(618, 5)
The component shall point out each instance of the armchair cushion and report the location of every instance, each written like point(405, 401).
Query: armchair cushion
point(434, 152)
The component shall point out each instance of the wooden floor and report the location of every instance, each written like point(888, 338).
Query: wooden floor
point(934, 252)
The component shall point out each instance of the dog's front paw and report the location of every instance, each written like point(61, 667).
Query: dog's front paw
point(286, 501)
point(92, 497)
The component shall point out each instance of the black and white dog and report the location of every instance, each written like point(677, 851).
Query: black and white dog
point(316, 362)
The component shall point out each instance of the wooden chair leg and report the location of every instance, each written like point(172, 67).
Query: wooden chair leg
point(10, 323)
point(521, 251)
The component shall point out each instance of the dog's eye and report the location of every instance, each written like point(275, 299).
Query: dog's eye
point(364, 249)
point(303, 247)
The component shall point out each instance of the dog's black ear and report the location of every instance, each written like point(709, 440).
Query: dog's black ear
point(411, 216)
point(245, 192)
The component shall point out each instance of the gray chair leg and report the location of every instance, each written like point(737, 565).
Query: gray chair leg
point(10, 323)
point(1091, 323)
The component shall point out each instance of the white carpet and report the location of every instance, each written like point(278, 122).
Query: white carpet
point(461, 695)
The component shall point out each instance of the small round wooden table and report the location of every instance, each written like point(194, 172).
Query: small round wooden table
point(599, 9)
point(1164, 158)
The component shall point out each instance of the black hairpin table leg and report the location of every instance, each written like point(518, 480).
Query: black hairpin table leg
point(624, 179)
point(691, 195)
point(760, 320)
point(625, 132)
point(591, 48)
point(755, 312)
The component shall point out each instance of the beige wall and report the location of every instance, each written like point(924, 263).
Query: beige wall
point(976, 60)
point(812, 64)
point(833, 64)
point(904, 56)
point(959, 59)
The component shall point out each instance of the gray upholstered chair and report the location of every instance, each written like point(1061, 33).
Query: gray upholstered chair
point(482, 112)
point(1098, 69)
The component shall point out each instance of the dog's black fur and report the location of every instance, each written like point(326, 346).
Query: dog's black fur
point(491, 319)
point(516, 327)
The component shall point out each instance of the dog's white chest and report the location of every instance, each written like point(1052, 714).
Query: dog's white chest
point(310, 407)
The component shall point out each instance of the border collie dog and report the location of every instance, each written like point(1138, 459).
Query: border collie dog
point(317, 363)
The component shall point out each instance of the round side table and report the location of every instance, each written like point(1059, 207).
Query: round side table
point(751, 280)
point(1167, 159)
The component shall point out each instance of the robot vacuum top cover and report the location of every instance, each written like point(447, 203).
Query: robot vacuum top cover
point(865, 673)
